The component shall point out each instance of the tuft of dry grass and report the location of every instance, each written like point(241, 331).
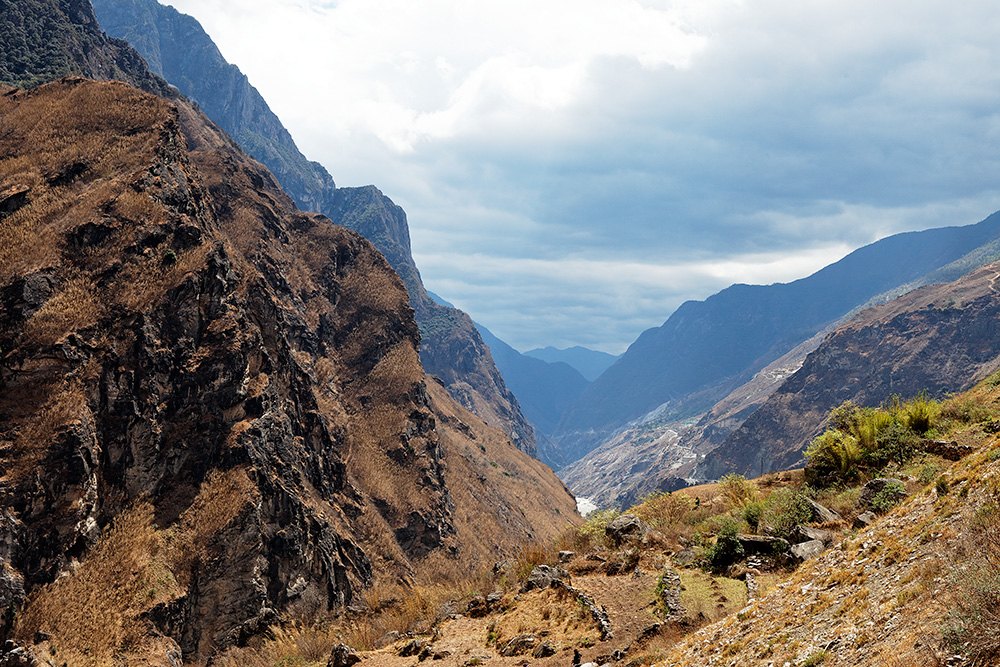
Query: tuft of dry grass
point(93, 613)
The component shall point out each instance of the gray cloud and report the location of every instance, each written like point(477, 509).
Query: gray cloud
point(573, 171)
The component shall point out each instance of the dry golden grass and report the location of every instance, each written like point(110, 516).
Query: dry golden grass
point(93, 613)
point(108, 129)
point(66, 406)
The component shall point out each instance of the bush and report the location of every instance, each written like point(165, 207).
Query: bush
point(739, 491)
point(895, 443)
point(752, 514)
point(890, 496)
point(920, 413)
point(833, 457)
point(785, 509)
point(727, 548)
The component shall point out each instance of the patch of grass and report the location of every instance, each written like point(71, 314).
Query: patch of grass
point(973, 625)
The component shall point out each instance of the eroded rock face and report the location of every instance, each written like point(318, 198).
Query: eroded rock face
point(229, 386)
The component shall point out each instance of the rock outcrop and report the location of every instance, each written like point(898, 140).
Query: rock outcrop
point(178, 48)
point(209, 398)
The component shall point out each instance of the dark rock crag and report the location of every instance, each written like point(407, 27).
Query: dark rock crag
point(176, 47)
point(221, 390)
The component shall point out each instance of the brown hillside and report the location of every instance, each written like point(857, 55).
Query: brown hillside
point(212, 410)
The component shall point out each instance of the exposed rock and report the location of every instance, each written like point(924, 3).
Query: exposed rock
point(480, 606)
point(625, 527)
point(805, 550)
point(897, 490)
point(669, 588)
point(599, 615)
point(342, 655)
point(13, 655)
point(542, 577)
point(864, 520)
point(763, 544)
point(411, 648)
point(519, 645)
point(821, 514)
point(544, 650)
point(951, 451)
point(13, 198)
point(684, 557)
point(566, 556)
point(807, 533)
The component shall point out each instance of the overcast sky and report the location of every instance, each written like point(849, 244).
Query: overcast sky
point(573, 170)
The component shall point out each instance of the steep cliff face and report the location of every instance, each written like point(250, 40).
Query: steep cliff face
point(451, 346)
point(178, 48)
point(212, 409)
point(939, 339)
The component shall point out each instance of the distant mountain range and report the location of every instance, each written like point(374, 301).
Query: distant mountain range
point(590, 363)
point(706, 349)
point(179, 50)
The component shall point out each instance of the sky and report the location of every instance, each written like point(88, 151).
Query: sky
point(574, 170)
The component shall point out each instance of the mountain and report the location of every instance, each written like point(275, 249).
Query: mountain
point(212, 410)
point(940, 339)
point(44, 40)
point(178, 48)
point(590, 363)
point(706, 349)
point(544, 390)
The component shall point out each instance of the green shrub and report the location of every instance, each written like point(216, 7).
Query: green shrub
point(888, 497)
point(920, 413)
point(832, 457)
point(727, 548)
point(942, 486)
point(752, 515)
point(784, 509)
point(895, 443)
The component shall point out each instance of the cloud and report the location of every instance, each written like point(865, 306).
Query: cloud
point(574, 169)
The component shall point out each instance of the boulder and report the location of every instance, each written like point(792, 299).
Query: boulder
point(624, 527)
point(807, 533)
point(342, 655)
point(864, 520)
point(821, 514)
point(806, 550)
point(762, 544)
point(412, 647)
point(519, 645)
point(543, 576)
point(566, 556)
point(878, 485)
point(544, 650)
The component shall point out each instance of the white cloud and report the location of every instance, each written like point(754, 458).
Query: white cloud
point(585, 165)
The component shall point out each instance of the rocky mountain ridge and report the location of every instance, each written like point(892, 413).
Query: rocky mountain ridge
point(178, 48)
point(224, 390)
point(705, 350)
point(938, 339)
